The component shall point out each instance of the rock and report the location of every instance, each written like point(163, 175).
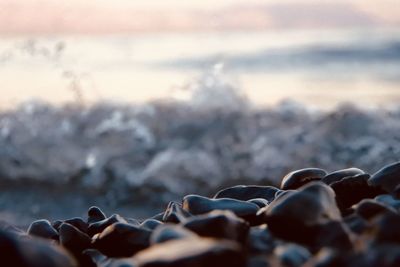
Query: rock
point(260, 202)
point(306, 216)
point(260, 240)
point(340, 174)
point(78, 223)
point(369, 208)
point(387, 178)
point(99, 226)
point(43, 228)
point(389, 201)
point(219, 224)
point(356, 223)
point(296, 179)
point(175, 213)
point(382, 255)
point(292, 255)
point(351, 190)
point(169, 232)
point(247, 192)
point(32, 252)
point(195, 205)
point(73, 239)
point(386, 228)
point(190, 253)
point(95, 215)
point(150, 224)
point(122, 240)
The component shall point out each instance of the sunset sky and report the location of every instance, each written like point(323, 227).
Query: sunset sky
point(104, 17)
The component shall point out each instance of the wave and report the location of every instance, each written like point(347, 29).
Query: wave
point(215, 139)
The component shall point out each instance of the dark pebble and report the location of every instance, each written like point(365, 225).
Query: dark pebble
point(73, 239)
point(34, 252)
point(247, 192)
point(122, 240)
point(95, 215)
point(195, 205)
point(78, 223)
point(175, 213)
point(351, 190)
point(388, 178)
point(192, 253)
point(219, 224)
point(43, 228)
point(369, 208)
point(169, 232)
point(292, 255)
point(296, 179)
point(340, 174)
point(99, 226)
point(150, 224)
point(306, 216)
point(260, 202)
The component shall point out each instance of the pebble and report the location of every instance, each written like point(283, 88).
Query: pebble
point(219, 224)
point(95, 215)
point(340, 174)
point(175, 213)
point(32, 252)
point(121, 240)
point(388, 178)
point(296, 179)
point(247, 192)
point(292, 255)
point(196, 205)
point(189, 252)
point(351, 190)
point(168, 232)
point(44, 229)
point(99, 226)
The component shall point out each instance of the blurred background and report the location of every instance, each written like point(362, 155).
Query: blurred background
point(128, 104)
point(319, 52)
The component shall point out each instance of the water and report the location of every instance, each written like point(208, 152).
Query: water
point(314, 67)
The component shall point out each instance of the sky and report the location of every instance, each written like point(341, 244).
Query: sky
point(105, 16)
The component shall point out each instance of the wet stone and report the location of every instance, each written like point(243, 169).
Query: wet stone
point(175, 213)
point(369, 208)
point(219, 224)
point(99, 226)
point(260, 202)
point(78, 223)
point(306, 217)
point(169, 232)
point(74, 239)
point(386, 228)
point(260, 240)
point(150, 224)
point(292, 255)
point(388, 178)
point(389, 201)
point(32, 252)
point(296, 179)
point(356, 223)
point(189, 252)
point(122, 240)
point(351, 190)
point(43, 228)
point(95, 215)
point(340, 174)
point(247, 192)
point(195, 205)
